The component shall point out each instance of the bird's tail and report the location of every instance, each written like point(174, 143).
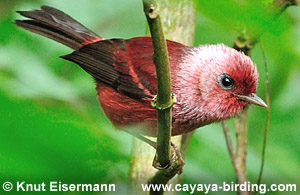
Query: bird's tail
point(56, 25)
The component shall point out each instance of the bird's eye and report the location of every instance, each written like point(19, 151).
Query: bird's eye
point(225, 81)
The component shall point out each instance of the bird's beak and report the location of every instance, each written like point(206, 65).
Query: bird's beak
point(252, 99)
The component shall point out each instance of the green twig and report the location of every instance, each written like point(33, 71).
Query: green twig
point(163, 101)
point(178, 20)
point(268, 115)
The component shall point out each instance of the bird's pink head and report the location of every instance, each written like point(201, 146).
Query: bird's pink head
point(221, 80)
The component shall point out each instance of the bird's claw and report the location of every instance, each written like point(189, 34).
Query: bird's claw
point(176, 161)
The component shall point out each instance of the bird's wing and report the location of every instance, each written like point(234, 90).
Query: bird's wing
point(57, 25)
point(124, 65)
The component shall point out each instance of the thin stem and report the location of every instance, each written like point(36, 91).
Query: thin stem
point(267, 117)
point(142, 138)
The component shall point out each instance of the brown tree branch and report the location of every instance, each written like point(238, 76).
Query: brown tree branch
point(245, 42)
point(229, 143)
point(241, 131)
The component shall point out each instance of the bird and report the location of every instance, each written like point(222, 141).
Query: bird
point(211, 82)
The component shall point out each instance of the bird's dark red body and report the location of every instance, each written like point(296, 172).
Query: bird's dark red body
point(122, 110)
point(211, 82)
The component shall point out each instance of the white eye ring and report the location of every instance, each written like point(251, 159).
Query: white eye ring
point(225, 81)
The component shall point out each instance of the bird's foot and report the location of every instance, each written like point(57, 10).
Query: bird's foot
point(176, 162)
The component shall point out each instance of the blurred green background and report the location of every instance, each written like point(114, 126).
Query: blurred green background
point(52, 127)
